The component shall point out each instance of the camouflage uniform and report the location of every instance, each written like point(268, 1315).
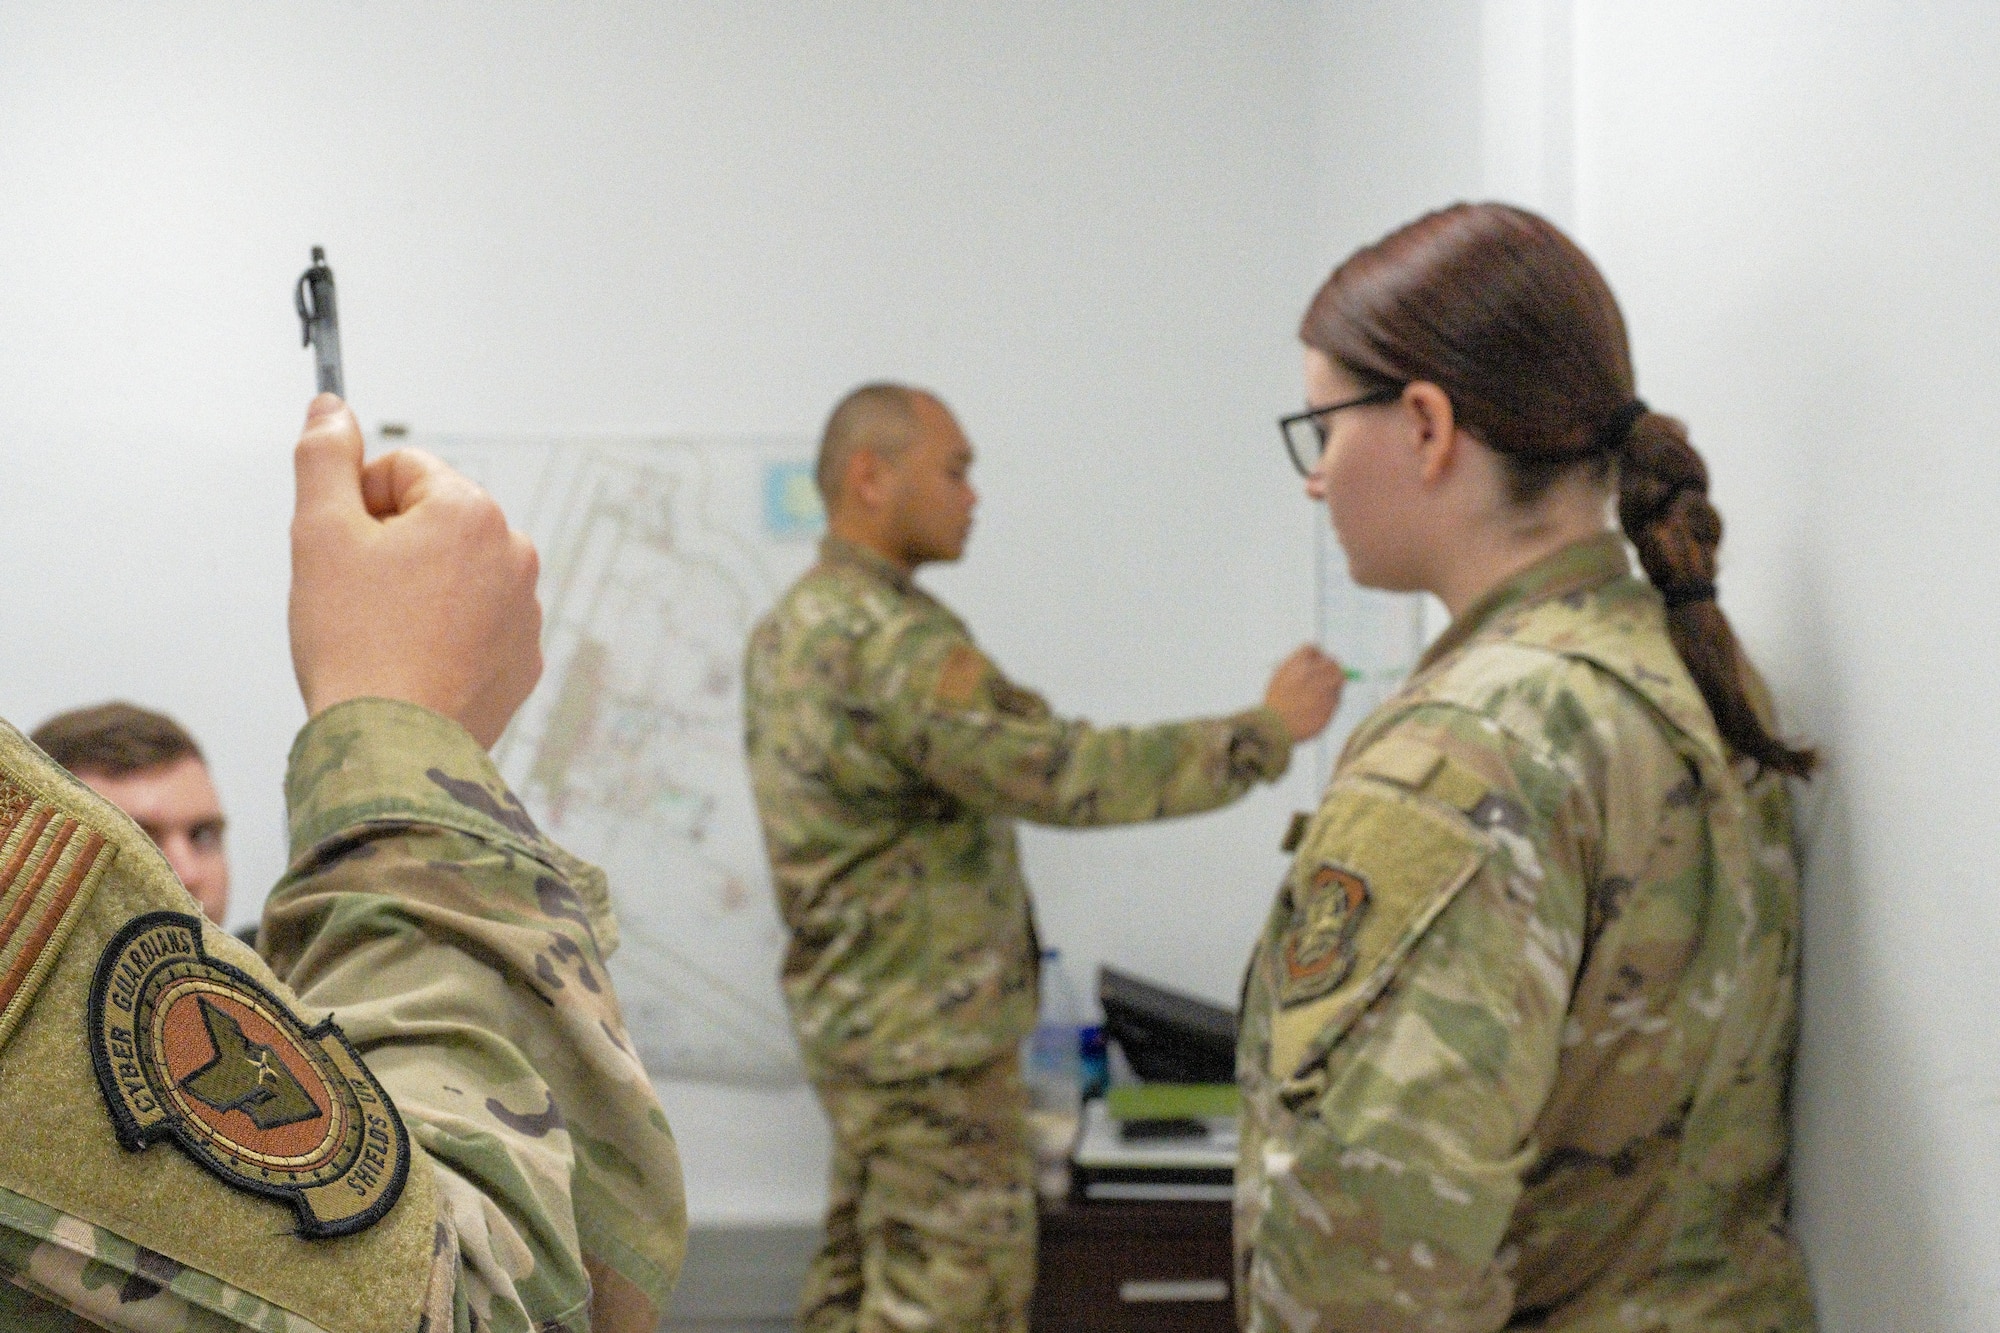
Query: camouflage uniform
point(463, 954)
point(937, 1170)
point(890, 759)
point(1517, 1036)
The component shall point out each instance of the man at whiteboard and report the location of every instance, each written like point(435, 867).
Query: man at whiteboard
point(890, 757)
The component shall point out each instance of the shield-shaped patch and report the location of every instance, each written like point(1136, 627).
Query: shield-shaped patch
point(1318, 950)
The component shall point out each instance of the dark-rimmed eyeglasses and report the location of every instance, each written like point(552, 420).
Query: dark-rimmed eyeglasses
point(1305, 432)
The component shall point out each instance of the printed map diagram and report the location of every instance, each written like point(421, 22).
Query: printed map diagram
point(658, 556)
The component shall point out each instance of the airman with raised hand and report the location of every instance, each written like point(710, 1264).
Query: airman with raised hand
point(424, 1113)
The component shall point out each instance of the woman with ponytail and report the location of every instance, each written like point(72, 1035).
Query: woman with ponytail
point(1517, 1035)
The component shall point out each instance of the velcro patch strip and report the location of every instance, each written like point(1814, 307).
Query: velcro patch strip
point(50, 862)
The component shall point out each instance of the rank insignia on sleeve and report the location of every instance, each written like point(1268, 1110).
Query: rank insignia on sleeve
point(1318, 951)
point(193, 1050)
point(50, 862)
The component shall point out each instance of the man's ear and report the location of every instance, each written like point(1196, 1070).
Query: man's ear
point(868, 480)
point(1436, 430)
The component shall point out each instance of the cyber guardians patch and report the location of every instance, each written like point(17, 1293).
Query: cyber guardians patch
point(192, 1049)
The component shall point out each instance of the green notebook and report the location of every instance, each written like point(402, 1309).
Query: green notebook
point(1171, 1101)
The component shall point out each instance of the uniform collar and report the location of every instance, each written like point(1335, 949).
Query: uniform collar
point(838, 551)
point(1578, 567)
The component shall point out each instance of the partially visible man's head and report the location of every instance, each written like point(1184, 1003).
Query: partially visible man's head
point(148, 766)
point(892, 470)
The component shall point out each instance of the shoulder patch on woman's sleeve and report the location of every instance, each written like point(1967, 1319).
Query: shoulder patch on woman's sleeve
point(1319, 948)
point(1374, 871)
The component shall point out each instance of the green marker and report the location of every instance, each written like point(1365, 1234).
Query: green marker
point(1386, 673)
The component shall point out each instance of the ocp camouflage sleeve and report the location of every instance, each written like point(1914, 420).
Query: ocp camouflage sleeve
point(464, 956)
point(998, 747)
point(64, 1275)
point(1406, 1012)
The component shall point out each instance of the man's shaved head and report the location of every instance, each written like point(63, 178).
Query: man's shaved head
point(893, 470)
point(881, 417)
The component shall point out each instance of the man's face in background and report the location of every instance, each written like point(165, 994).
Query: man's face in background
point(934, 498)
point(175, 803)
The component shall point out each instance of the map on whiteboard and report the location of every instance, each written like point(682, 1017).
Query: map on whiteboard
point(1377, 635)
point(658, 556)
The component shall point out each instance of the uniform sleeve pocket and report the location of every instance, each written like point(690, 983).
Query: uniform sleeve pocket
point(967, 683)
point(1376, 868)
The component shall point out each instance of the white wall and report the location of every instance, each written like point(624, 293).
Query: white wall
point(1401, 112)
point(1797, 206)
point(1397, 99)
point(1090, 226)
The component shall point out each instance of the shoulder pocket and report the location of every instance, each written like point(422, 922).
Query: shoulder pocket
point(968, 682)
point(1376, 868)
point(960, 677)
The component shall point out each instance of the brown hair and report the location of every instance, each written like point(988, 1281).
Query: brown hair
point(1503, 312)
point(114, 739)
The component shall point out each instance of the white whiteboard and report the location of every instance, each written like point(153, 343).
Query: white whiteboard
point(658, 556)
point(1377, 636)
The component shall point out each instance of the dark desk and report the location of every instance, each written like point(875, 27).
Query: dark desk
point(1151, 1266)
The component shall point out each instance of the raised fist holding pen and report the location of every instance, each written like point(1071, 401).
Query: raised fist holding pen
point(407, 583)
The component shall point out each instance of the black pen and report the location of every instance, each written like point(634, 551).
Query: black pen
point(319, 322)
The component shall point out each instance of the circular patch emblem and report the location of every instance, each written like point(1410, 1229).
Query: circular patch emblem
point(195, 1050)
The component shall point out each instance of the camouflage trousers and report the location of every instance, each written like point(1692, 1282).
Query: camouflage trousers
point(930, 1224)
